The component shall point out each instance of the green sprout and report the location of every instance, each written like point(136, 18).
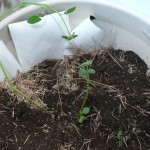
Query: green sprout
point(70, 37)
point(85, 72)
point(70, 10)
point(120, 137)
point(82, 114)
point(14, 89)
point(36, 18)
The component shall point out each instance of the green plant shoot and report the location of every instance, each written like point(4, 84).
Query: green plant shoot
point(85, 72)
point(69, 38)
point(70, 10)
point(120, 138)
point(36, 18)
point(14, 89)
point(82, 114)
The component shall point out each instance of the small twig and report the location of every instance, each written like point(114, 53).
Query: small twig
point(104, 85)
point(124, 140)
point(120, 109)
point(7, 108)
point(76, 128)
point(15, 138)
point(2, 111)
point(13, 113)
point(139, 142)
point(113, 114)
point(26, 139)
point(86, 141)
point(110, 137)
point(122, 99)
point(102, 60)
point(59, 101)
point(147, 135)
point(145, 111)
point(97, 121)
point(114, 59)
point(137, 109)
point(78, 97)
point(55, 66)
point(91, 115)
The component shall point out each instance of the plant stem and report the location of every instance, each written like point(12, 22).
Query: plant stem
point(12, 87)
point(87, 92)
point(36, 4)
point(10, 10)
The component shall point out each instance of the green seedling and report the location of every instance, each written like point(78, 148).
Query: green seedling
point(14, 89)
point(85, 71)
point(120, 137)
point(70, 10)
point(70, 37)
point(37, 18)
point(82, 114)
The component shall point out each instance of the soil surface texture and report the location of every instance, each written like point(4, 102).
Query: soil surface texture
point(119, 102)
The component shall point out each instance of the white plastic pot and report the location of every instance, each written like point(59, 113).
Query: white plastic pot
point(124, 27)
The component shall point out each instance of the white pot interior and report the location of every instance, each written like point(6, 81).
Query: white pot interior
point(123, 27)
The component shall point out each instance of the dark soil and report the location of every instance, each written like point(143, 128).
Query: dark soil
point(119, 99)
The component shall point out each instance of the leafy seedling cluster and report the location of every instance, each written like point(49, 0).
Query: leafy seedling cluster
point(37, 18)
point(85, 71)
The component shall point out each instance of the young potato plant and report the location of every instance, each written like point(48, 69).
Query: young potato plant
point(37, 18)
point(85, 71)
point(32, 20)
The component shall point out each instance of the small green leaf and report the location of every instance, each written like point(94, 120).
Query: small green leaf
point(33, 19)
point(70, 10)
point(65, 37)
point(87, 63)
point(82, 73)
point(81, 119)
point(85, 110)
point(68, 38)
point(91, 71)
point(120, 135)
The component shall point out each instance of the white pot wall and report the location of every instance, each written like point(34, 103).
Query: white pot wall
point(124, 27)
point(141, 6)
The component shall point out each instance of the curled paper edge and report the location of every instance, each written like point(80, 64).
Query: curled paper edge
point(9, 62)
